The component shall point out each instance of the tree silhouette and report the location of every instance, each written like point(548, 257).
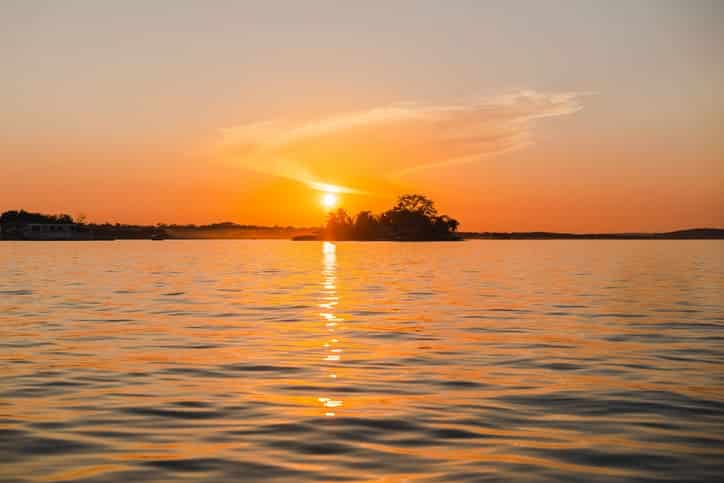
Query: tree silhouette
point(367, 226)
point(415, 203)
point(414, 217)
point(22, 217)
point(339, 225)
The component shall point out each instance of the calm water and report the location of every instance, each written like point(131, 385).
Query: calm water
point(275, 360)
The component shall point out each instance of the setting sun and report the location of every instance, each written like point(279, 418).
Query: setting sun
point(329, 200)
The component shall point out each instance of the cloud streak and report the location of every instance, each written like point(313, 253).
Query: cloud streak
point(360, 151)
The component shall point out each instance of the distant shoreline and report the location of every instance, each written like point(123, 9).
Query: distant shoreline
point(263, 233)
point(413, 218)
point(690, 234)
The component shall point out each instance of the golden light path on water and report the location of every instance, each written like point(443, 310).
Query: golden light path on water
point(259, 360)
point(329, 301)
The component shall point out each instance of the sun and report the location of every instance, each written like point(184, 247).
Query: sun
point(329, 200)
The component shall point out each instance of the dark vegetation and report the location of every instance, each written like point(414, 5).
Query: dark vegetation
point(22, 217)
point(414, 217)
point(229, 230)
point(691, 234)
point(13, 222)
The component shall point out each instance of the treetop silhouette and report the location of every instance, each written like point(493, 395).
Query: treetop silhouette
point(414, 217)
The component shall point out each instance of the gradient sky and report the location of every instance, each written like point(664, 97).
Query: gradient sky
point(540, 115)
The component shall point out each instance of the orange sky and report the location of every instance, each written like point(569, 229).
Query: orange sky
point(594, 118)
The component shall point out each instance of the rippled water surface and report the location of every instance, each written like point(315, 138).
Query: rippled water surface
point(302, 361)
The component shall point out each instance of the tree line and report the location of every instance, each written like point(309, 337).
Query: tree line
point(414, 217)
point(22, 217)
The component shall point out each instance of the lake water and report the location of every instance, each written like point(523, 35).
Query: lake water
point(304, 361)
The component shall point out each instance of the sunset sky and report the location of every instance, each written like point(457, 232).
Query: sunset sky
point(513, 116)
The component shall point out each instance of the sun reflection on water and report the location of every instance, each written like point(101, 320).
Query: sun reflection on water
point(329, 302)
point(563, 361)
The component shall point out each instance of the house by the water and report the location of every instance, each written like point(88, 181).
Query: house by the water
point(45, 231)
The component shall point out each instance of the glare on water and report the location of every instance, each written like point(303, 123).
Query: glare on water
point(294, 361)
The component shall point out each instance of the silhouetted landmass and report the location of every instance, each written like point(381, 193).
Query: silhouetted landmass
point(214, 231)
point(23, 225)
point(228, 230)
point(413, 218)
point(22, 217)
point(691, 234)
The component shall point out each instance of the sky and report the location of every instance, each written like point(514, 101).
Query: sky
point(575, 116)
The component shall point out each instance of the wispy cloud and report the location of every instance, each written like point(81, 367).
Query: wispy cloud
point(356, 151)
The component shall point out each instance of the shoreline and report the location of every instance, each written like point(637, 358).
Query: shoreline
point(461, 239)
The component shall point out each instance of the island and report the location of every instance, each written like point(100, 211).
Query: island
point(413, 218)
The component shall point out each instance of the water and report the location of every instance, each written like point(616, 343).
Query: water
point(300, 361)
